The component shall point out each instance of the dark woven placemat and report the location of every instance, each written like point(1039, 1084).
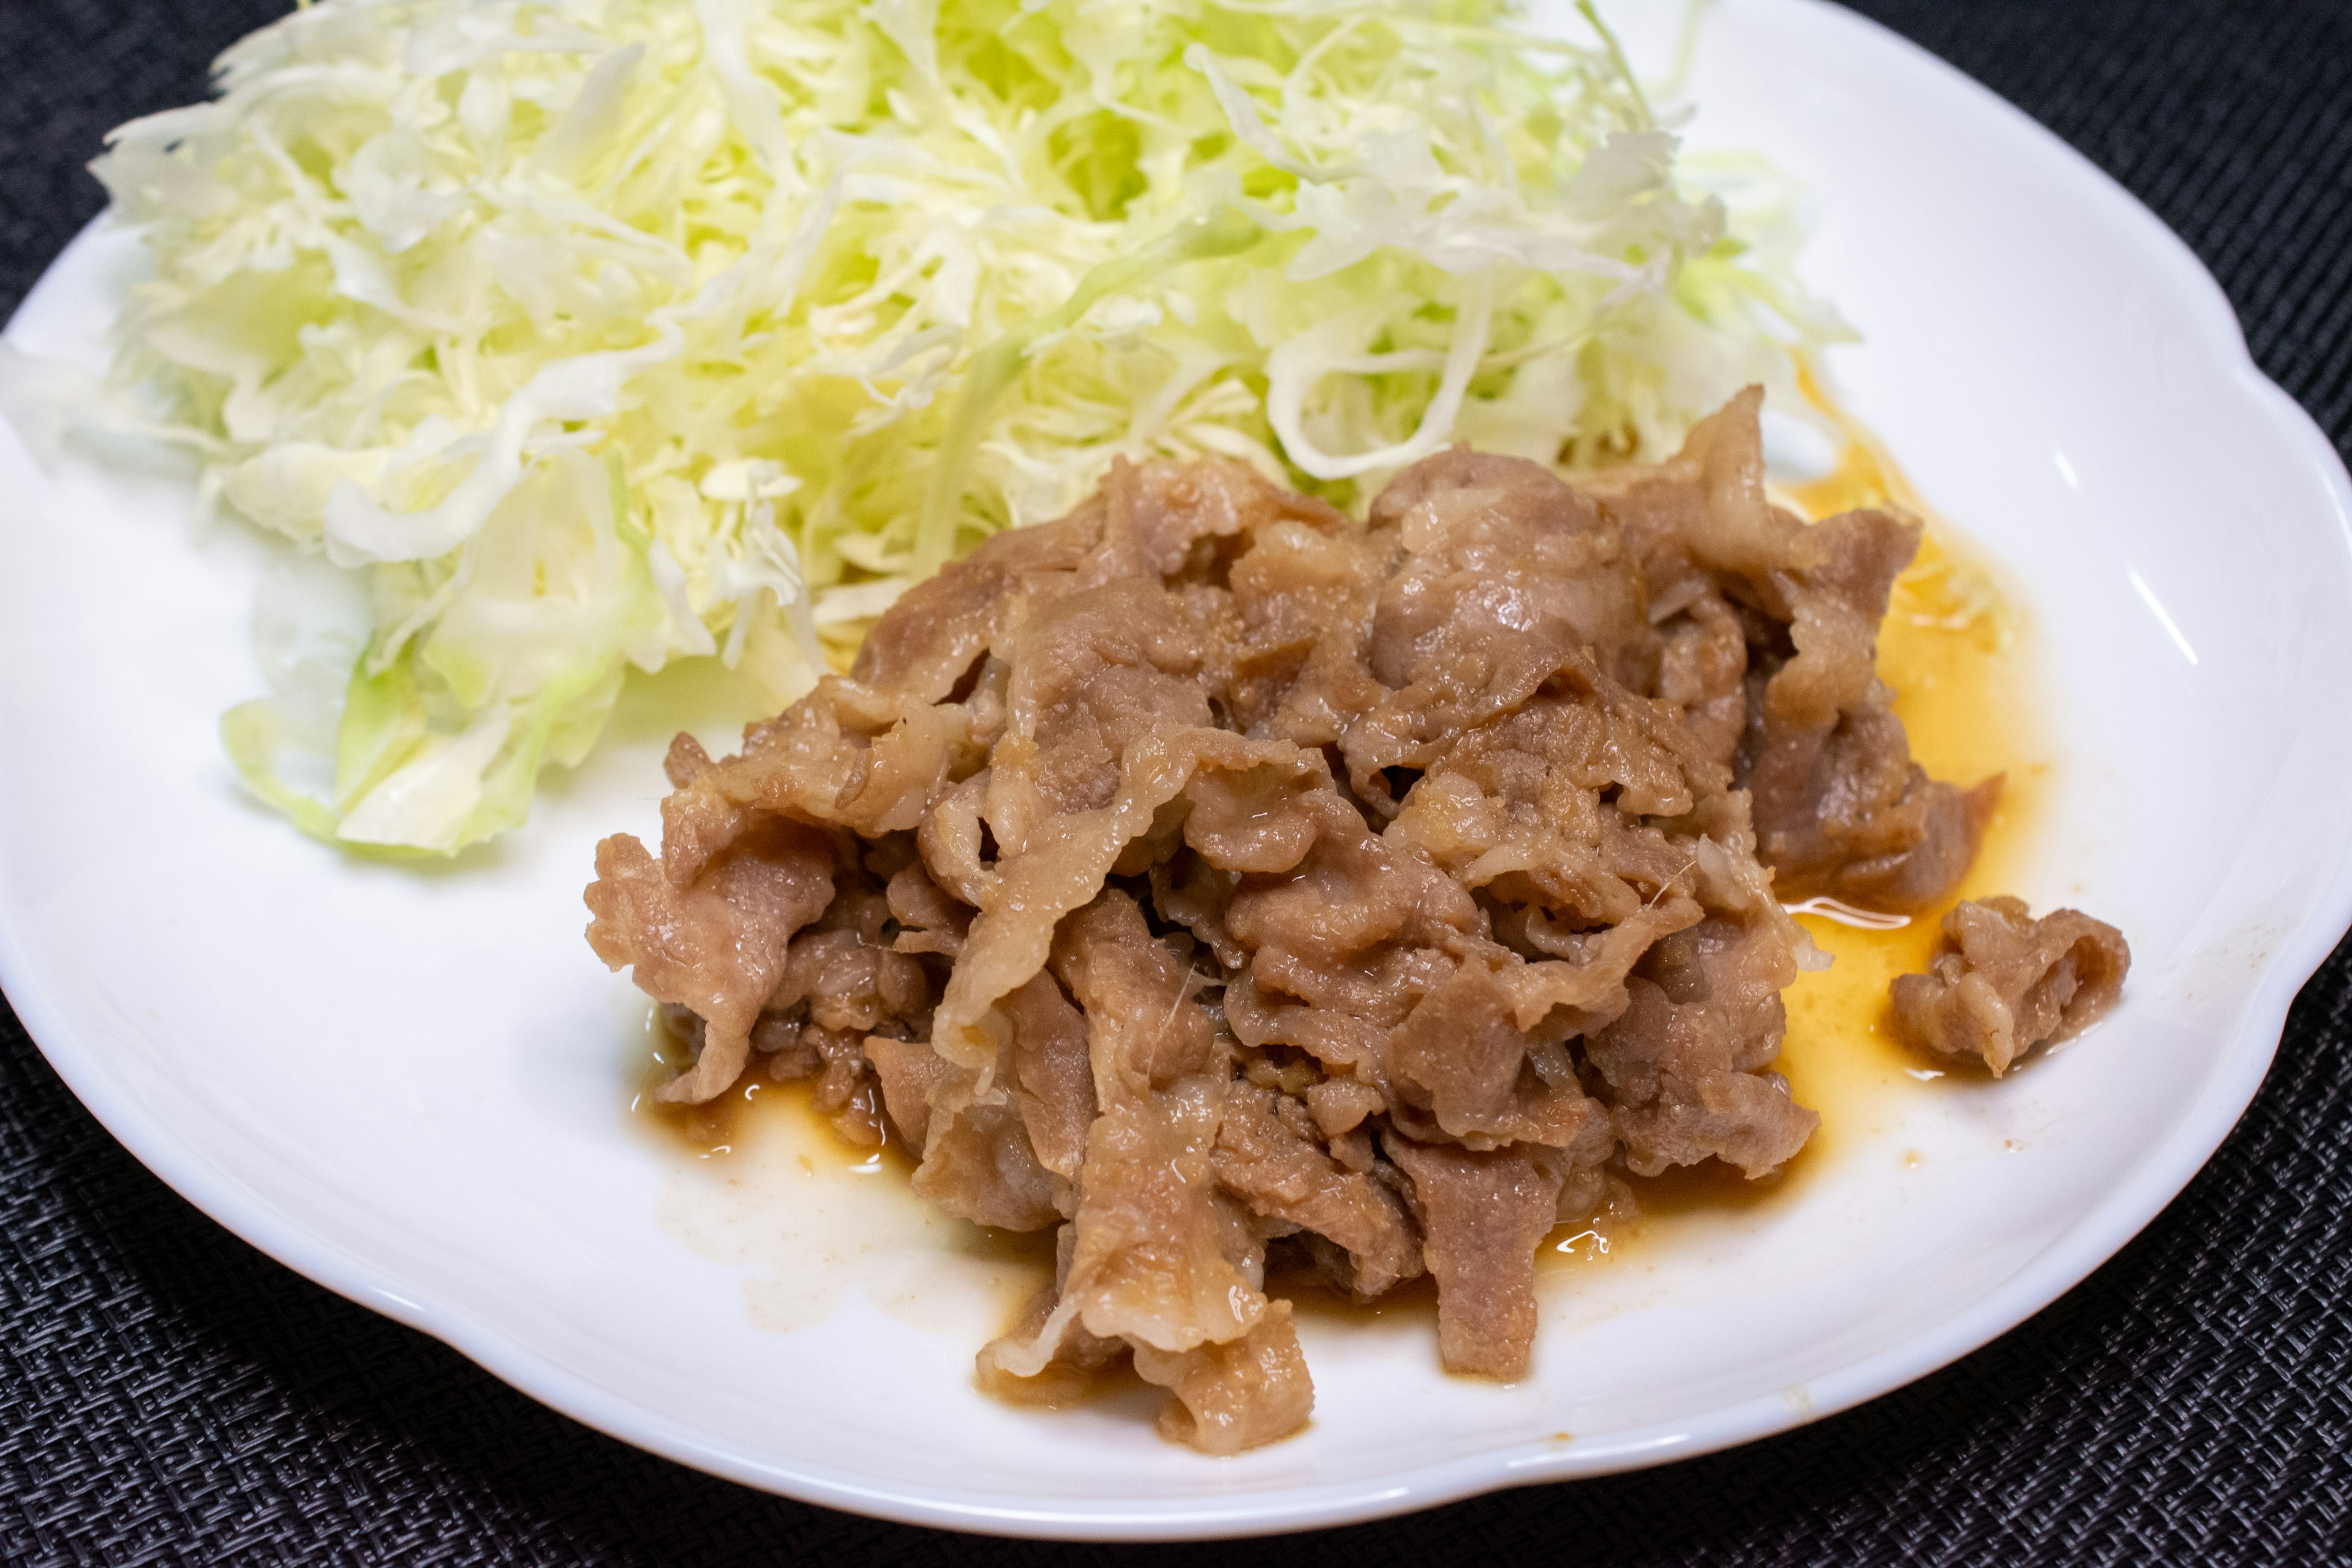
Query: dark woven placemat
point(171, 1395)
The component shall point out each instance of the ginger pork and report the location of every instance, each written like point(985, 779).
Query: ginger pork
point(1210, 877)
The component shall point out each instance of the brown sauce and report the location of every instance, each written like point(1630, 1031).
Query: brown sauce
point(751, 1110)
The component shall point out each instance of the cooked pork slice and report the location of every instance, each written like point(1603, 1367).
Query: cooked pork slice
point(1236, 1394)
point(2005, 983)
point(1269, 1156)
point(716, 943)
point(1048, 1358)
point(1482, 1216)
point(1506, 577)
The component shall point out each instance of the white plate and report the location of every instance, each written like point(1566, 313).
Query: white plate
point(405, 1084)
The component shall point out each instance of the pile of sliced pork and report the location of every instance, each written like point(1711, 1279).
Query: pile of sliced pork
point(1216, 879)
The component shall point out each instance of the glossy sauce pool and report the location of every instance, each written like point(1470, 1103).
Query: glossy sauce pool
point(1956, 655)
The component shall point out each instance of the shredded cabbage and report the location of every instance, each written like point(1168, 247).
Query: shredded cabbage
point(578, 335)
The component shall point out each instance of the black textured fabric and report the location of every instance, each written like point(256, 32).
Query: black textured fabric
point(169, 1396)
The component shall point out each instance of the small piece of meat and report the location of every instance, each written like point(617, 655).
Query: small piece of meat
point(1843, 810)
point(978, 1164)
point(1272, 1163)
point(1683, 1064)
point(849, 757)
point(1054, 1084)
point(943, 625)
point(2005, 983)
point(717, 945)
point(1048, 1358)
point(1061, 840)
point(1703, 670)
point(1486, 1079)
point(1291, 588)
point(1508, 576)
point(930, 920)
point(1344, 944)
point(1145, 1031)
point(846, 1093)
point(907, 1070)
point(1239, 1394)
point(684, 760)
point(1149, 1262)
point(848, 982)
point(790, 1051)
point(1482, 1216)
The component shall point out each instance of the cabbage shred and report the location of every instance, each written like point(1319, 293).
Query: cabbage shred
point(576, 336)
